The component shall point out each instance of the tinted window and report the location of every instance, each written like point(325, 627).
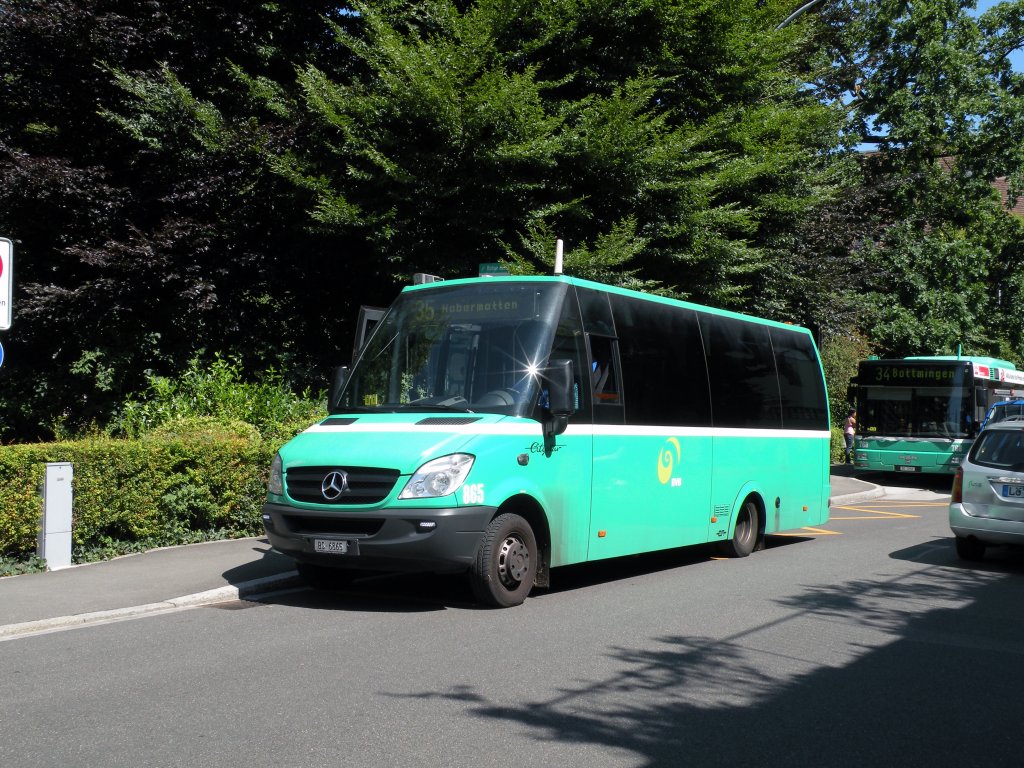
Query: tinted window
point(597, 315)
point(604, 378)
point(801, 386)
point(664, 380)
point(568, 345)
point(741, 368)
point(1000, 449)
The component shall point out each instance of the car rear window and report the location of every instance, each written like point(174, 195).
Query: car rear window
point(999, 448)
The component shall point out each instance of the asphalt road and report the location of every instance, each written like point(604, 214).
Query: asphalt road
point(862, 643)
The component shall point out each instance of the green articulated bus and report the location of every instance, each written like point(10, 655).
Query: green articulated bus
point(921, 414)
point(507, 426)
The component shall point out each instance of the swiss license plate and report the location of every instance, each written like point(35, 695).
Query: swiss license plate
point(906, 468)
point(1013, 491)
point(330, 546)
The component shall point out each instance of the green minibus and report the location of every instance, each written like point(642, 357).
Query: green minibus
point(508, 426)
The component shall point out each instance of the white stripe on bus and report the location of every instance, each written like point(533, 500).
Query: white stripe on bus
point(533, 429)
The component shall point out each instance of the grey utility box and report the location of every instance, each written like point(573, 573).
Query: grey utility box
point(55, 530)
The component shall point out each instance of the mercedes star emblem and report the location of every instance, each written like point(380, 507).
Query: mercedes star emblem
point(334, 484)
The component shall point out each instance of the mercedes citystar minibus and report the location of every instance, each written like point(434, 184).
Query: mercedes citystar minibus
point(507, 426)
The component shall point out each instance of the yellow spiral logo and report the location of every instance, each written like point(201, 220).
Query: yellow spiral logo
point(667, 459)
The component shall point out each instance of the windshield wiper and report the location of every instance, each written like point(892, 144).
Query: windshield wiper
point(447, 407)
point(354, 409)
point(425, 407)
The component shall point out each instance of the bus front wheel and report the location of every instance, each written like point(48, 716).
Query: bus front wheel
point(744, 537)
point(506, 563)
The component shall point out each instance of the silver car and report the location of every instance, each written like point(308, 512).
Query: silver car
point(987, 503)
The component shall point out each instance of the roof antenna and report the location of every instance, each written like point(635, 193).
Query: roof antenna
point(558, 257)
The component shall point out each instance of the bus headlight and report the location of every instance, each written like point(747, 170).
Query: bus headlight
point(275, 485)
point(439, 477)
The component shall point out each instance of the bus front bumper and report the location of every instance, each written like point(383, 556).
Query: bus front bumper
point(439, 540)
point(892, 461)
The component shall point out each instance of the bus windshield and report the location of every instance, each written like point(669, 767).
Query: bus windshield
point(915, 401)
point(470, 348)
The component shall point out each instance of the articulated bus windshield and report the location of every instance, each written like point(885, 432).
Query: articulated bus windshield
point(471, 348)
point(915, 406)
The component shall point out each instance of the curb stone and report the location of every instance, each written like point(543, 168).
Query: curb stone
point(209, 597)
point(853, 498)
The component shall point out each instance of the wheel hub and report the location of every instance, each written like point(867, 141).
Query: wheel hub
point(513, 562)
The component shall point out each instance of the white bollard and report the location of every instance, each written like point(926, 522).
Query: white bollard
point(55, 530)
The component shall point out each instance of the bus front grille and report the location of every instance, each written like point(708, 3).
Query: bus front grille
point(340, 485)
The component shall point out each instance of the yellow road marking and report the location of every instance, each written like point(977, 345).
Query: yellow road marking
point(820, 531)
point(876, 514)
point(899, 504)
point(873, 513)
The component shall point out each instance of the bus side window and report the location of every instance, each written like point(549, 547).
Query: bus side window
point(603, 376)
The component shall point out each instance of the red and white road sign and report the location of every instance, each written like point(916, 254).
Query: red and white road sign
point(6, 282)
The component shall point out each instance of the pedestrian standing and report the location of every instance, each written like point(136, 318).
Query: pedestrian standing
point(849, 429)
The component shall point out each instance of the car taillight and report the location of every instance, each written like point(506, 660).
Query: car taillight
point(956, 496)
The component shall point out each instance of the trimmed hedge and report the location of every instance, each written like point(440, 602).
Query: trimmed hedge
point(838, 445)
point(185, 482)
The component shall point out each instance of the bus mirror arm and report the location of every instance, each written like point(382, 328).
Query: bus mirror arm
point(338, 380)
point(561, 397)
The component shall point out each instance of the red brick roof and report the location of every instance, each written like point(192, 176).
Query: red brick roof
point(1002, 185)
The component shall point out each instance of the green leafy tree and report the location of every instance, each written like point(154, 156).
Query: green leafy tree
point(482, 131)
point(146, 224)
point(840, 355)
point(930, 85)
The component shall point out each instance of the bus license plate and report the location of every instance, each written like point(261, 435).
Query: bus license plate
point(330, 546)
point(1013, 491)
point(906, 468)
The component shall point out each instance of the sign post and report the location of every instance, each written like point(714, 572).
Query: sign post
point(6, 282)
point(493, 270)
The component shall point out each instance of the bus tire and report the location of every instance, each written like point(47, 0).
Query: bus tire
point(744, 536)
point(506, 562)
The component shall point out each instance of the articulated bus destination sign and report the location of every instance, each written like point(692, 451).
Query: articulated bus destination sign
point(913, 374)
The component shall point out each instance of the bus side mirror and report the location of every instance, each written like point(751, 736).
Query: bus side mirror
point(561, 396)
point(338, 380)
point(983, 400)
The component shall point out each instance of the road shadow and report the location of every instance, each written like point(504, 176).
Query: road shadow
point(941, 551)
point(269, 563)
point(382, 593)
point(415, 593)
point(931, 679)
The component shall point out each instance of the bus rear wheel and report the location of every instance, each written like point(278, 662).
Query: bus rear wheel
point(744, 537)
point(506, 563)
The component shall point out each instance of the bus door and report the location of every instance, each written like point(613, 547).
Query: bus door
point(651, 470)
point(610, 496)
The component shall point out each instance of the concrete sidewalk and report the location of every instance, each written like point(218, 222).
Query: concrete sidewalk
point(848, 489)
point(158, 580)
point(198, 574)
